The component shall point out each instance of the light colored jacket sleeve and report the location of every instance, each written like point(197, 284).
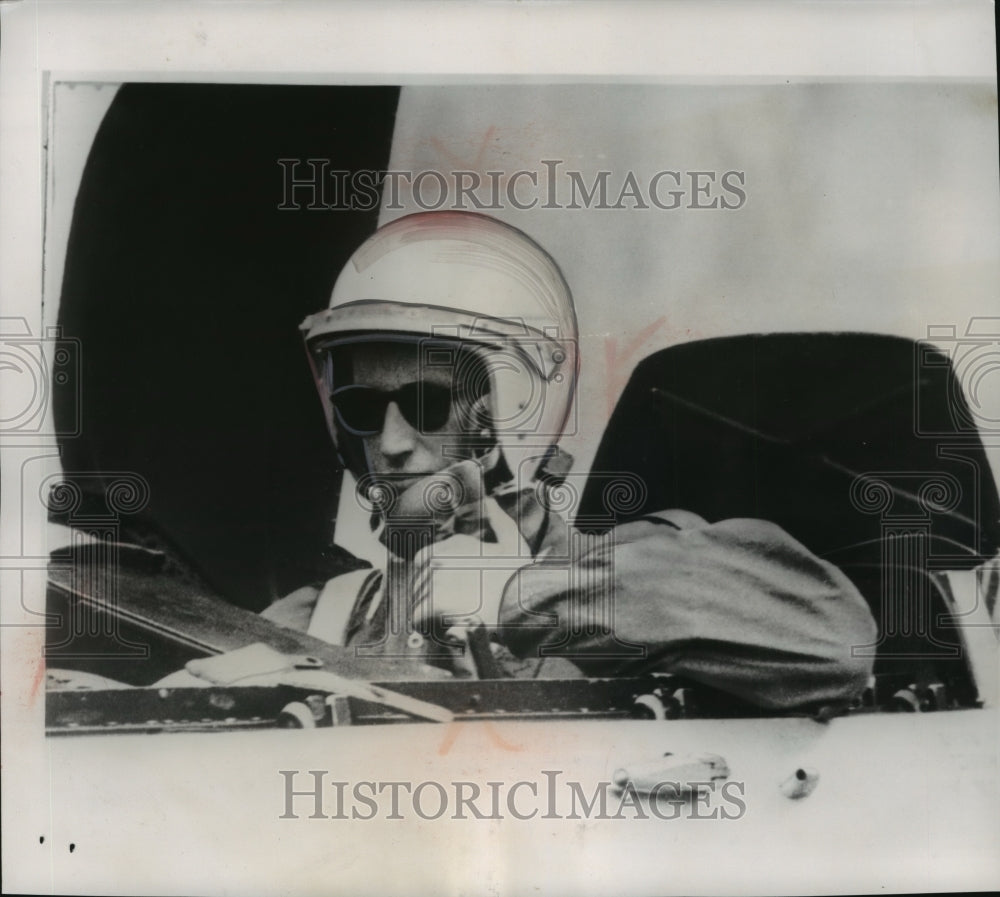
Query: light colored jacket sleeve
point(738, 605)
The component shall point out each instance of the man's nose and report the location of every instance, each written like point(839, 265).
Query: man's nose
point(397, 436)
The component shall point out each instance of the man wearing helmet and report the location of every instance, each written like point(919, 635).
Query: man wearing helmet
point(446, 365)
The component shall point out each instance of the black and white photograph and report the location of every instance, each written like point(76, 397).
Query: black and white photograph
point(455, 449)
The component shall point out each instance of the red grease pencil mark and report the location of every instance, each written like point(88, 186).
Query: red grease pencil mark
point(461, 164)
point(36, 682)
point(451, 735)
point(617, 365)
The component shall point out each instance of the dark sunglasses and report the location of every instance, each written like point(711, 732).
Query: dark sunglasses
point(361, 409)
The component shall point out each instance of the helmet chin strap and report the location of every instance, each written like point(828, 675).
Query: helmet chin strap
point(556, 466)
point(498, 478)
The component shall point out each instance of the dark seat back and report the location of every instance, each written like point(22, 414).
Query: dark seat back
point(860, 446)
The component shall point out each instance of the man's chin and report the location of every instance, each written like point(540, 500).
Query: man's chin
point(400, 495)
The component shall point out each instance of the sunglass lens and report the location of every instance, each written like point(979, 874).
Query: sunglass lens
point(424, 405)
point(435, 406)
point(361, 410)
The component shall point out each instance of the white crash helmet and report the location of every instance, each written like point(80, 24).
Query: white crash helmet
point(464, 276)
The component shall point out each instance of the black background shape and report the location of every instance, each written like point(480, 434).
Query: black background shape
point(185, 284)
